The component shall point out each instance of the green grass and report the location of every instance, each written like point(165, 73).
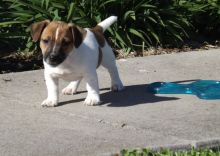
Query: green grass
point(166, 152)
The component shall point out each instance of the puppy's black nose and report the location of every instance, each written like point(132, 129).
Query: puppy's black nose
point(53, 56)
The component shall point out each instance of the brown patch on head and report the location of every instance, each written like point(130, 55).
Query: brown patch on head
point(57, 34)
point(78, 34)
point(37, 29)
point(98, 32)
point(56, 42)
point(57, 39)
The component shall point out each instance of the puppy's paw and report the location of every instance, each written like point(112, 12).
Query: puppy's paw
point(69, 91)
point(92, 100)
point(49, 103)
point(117, 87)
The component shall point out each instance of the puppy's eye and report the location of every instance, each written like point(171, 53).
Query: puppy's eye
point(66, 42)
point(45, 41)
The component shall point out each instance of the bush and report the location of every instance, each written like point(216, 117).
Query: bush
point(167, 152)
point(141, 23)
point(205, 16)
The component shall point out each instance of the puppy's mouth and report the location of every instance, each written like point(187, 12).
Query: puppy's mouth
point(54, 59)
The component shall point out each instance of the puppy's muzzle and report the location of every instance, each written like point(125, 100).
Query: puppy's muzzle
point(54, 58)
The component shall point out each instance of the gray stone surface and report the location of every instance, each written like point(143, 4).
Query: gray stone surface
point(129, 119)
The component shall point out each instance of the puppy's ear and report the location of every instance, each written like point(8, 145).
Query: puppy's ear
point(78, 34)
point(37, 29)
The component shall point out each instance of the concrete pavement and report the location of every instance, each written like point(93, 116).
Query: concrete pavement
point(129, 119)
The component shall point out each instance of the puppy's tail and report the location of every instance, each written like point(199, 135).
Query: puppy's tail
point(108, 22)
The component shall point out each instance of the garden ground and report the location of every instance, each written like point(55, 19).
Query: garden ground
point(15, 61)
point(128, 119)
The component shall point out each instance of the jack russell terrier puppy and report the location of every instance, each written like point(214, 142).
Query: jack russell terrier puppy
point(72, 53)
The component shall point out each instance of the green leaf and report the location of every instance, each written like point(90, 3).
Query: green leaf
point(119, 38)
point(56, 15)
point(58, 5)
point(135, 32)
point(152, 19)
point(155, 36)
point(129, 14)
point(174, 33)
point(70, 12)
point(10, 22)
point(103, 4)
point(148, 6)
point(47, 4)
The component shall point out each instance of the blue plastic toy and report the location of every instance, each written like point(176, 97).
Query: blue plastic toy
point(203, 89)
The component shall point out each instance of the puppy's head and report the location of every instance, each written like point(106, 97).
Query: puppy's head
point(57, 39)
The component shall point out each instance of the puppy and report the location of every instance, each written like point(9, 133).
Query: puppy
point(72, 53)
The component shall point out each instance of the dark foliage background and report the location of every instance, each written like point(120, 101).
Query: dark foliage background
point(141, 23)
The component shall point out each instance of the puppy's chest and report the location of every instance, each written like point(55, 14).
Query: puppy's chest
point(68, 73)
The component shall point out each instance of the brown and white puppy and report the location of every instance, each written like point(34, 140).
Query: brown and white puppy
point(72, 53)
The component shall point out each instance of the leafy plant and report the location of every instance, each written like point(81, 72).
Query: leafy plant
point(167, 152)
point(141, 23)
point(207, 18)
point(203, 14)
point(149, 22)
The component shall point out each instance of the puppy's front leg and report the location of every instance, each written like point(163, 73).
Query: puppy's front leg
point(52, 90)
point(71, 88)
point(93, 89)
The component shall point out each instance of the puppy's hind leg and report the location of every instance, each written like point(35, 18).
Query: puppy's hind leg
point(71, 88)
point(108, 61)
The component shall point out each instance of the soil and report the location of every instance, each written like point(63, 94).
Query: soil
point(18, 62)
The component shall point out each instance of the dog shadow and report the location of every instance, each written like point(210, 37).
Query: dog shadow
point(130, 96)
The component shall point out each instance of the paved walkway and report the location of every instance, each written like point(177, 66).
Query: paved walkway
point(129, 119)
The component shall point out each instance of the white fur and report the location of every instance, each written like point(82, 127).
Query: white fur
point(57, 33)
point(56, 37)
point(71, 88)
point(81, 63)
point(108, 22)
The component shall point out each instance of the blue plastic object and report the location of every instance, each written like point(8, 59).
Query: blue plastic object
point(203, 89)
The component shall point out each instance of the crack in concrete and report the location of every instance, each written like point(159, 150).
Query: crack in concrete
point(118, 125)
